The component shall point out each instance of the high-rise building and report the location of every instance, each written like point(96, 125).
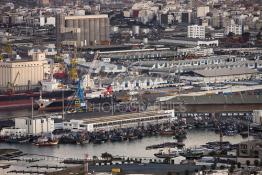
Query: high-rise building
point(186, 17)
point(84, 30)
point(195, 31)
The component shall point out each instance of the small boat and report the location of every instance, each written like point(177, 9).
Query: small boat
point(116, 138)
point(244, 134)
point(45, 142)
point(167, 132)
point(162, 145)
point(168, 155)
point(16, 140)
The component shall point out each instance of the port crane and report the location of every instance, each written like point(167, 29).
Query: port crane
point(73, 63)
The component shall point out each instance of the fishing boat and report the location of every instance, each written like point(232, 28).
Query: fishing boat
point(195, 153)
point(16, 140)
point(46, 142)
point(168, 132)
point(168, 155)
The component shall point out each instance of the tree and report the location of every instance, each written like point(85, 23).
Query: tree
point(231, 34)
point(256, 162)
point(106, 156)
point(248, 162)
point(203, 168)
point(1, 57)
point(213, 166)
point(232, 168)
point(222, 167)
point(238, 165)
point(246, 36)
point(259, 36)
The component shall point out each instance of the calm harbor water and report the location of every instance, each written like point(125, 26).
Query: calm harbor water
point(134, 148)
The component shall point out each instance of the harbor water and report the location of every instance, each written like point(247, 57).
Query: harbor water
point(134, 148)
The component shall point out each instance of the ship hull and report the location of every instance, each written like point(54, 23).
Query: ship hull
point(23, 100)
point(57, 105)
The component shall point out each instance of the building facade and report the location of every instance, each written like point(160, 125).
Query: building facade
point(202, 11)
point(236, 29)
point(195, 31)
point(35, 126)
point(22, 73)
point(84, 30)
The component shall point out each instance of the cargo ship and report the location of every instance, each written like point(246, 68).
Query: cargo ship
point(78, 101)
point(50, 89)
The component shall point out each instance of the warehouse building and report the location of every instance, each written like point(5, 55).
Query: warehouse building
point(86, 30)
point(218, 75)
point(23, 73)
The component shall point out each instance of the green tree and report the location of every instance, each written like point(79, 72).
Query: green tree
point(248, 162)
point(106, 156)
point(232, 168)
point(259, 36)
point(231, 34)
point(222, 167)
point(256, 162)
point(204, 168)
point(238, 165)
point(1, 57)
point(213, 166)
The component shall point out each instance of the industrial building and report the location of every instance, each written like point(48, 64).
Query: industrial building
point(119, 121)
point(36, 125)
point(22, 73)
point(223, 74)
point(86, 30)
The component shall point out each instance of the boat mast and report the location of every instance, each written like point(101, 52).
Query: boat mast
point(32, 107)
point(63, 104)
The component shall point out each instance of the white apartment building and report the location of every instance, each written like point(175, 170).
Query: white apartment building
point(35, 126)
point(195, 31)
point(236, 29)
point(43, 20)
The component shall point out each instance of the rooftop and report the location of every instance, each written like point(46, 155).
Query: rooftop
point(225, 72)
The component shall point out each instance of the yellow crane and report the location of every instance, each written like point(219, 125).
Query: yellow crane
point(8, 49)
point(73, 63)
